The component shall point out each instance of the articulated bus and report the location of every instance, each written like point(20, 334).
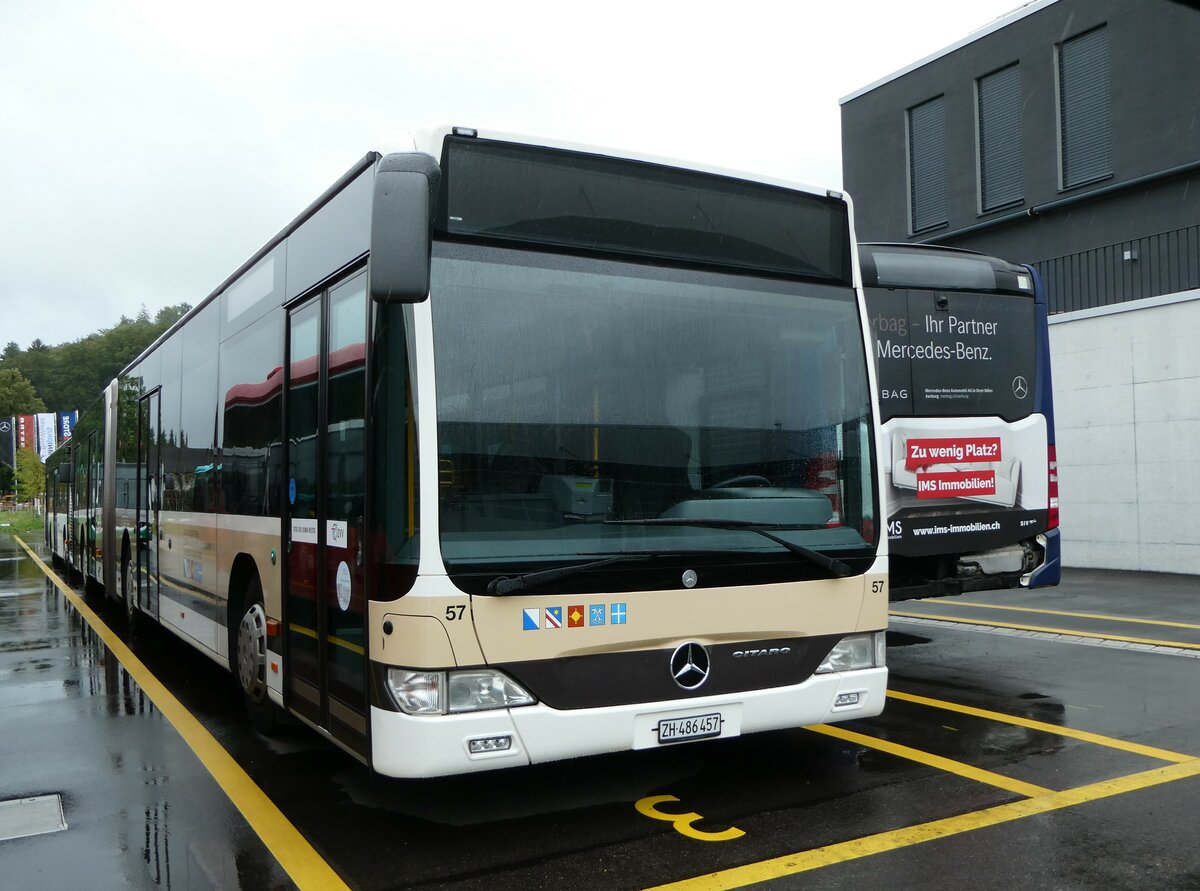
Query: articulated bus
point(963, 356)
point(507, 451)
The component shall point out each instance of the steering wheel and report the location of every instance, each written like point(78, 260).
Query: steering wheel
point(746, 479)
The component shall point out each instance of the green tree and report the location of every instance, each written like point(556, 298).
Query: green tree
point(71, 375)
point(17, 394)
point(31, 478)
point(169, 315)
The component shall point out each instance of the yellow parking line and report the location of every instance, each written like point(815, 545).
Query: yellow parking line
point(298, 858)
point(977, 774)
point(803, 861)
point(1071, 732)
point(1054, 612)
point(1072, 631)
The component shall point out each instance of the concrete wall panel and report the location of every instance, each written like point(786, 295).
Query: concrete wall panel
point(1127, 406)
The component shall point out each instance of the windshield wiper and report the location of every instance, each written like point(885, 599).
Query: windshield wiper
point(829, 564)
point(507, 585)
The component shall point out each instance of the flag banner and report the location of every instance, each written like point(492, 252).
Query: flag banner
point(46, 440)
point(26, 432)
point(66, 424)
point(8, 441)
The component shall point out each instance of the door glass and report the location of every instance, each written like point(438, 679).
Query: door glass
point(344, 437)
point(149, 475)
point(304, 544)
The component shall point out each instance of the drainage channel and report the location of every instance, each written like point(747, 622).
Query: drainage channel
point(23, 817)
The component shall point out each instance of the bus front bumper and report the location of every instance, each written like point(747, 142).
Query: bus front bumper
point(418, 746)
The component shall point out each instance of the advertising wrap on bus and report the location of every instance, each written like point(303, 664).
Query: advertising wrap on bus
point(965, 457)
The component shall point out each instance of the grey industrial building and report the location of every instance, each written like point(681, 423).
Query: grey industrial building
point(1066, 135)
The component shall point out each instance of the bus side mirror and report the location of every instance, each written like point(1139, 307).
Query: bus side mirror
point(406, 187)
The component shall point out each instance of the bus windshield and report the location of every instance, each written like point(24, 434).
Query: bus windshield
point(574, 392)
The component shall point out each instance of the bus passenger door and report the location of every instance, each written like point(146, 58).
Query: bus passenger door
point(92, 516)
point(148, 503)
point(52, 497)
point(325, 602)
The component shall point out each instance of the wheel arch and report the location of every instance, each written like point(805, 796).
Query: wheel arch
point(243, 571)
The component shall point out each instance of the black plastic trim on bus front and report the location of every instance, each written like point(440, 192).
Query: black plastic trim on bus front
point(602, 680)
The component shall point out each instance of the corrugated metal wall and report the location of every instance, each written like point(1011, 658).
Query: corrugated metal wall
point(1166, 263)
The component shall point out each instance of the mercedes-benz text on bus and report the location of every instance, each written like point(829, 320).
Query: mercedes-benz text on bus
point(505, 452)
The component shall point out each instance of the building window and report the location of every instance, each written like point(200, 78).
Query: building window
point(927, 164)
point(998, 98)
point(1085, 108)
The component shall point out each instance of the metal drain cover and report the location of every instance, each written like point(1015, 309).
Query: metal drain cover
point(22, 817)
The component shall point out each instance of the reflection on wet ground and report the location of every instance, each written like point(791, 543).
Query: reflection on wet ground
point(140, 810)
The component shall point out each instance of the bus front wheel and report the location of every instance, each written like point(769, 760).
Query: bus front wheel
point(252, 661)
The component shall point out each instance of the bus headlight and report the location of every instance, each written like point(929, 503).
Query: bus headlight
point(472, 691)
point(455, 692)
point(855, 652)
point(417, 692)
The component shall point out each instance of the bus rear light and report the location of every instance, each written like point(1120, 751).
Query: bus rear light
point(272, 628)
point(1052, 455)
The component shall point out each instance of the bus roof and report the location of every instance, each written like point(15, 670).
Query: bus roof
point(429, 140)
point(940, 268)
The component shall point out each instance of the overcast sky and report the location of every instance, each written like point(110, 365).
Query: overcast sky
point(149, 147)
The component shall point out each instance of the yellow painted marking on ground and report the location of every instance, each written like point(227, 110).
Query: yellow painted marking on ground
point(303, 864)
point(1058, 729)
point(1029, 790)
point(648, 807)
point(803, 861)
point(1072, 631)
point(300, 629)
point(1054, 612)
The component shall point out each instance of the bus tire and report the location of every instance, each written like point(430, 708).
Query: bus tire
point(128, 588)
point(250, 660)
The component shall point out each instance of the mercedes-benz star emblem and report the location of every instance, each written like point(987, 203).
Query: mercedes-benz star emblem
point(1020, 388)
point(689, 665)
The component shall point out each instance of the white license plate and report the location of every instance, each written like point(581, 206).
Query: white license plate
point(672, 730)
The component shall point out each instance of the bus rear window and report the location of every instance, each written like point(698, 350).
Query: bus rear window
point(955, 353)
point(574, 200)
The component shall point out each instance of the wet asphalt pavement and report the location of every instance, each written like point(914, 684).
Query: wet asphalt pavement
point(986, 733)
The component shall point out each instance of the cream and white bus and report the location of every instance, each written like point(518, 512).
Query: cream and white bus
point(507, 451)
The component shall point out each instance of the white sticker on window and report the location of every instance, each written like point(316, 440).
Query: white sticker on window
point(335, 533)
point(343, 585)
point(304, 531)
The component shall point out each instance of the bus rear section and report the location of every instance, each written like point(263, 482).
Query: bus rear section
point(967, 441)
